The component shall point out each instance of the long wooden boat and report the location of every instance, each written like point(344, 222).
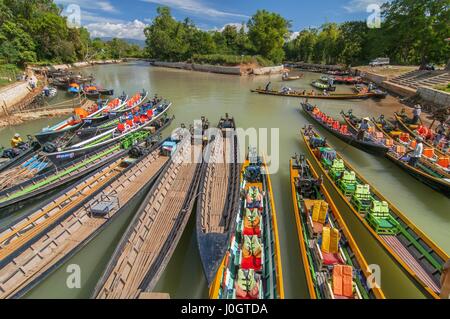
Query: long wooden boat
point(49, 134)
point(94, 129)
point(219, 200)
point(109, 137)
point(334, 265)
point(23, 155)
point(109, 113)
point(31, 190)
point(411, 129)
point(427, 170)
point(322, 86)
point(347, 79)
point(99, 116)
point(291, 78)
point(422, 259)
point(150, 240)
point(331, 96)
point(343, 132)
point(251, 268)
point(34, 246)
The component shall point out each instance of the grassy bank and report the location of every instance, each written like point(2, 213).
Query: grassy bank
point(444, 88)
point(8, 74)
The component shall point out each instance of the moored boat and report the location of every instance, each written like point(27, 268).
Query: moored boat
point(22, 193)
point(46, 237)
point(431, 169)
point(69, 125)
point(347, 79)
point(419, 130)
point(219, 200)
point(422, 259)
point(251, 268)
point(58, 156)
point(152, 236)
point(334, 265)
point(345, 133)
point(313, 95)
point(290, 78)
point(116, 109)
point(322, 86)
point(15, 156)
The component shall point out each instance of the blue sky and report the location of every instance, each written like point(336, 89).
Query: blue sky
point(128, 18)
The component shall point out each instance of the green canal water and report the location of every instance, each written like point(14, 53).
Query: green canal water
point(195, 94)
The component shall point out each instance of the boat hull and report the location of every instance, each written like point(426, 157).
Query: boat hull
point(371, 148)
point(212, 246)
point(317, 96)
point(21, 158)
point(45, 137)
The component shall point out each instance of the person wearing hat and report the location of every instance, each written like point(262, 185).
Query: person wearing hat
point(16, 141)
point(416, 114)
point(445, 281)
point(363, 128)
point(416, 153)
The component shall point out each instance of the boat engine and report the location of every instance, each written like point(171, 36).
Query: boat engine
point(50, 147)
point(136, 152)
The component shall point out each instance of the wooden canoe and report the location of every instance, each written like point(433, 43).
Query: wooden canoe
point(331, 96)
point(406, 243)
point(307, 188)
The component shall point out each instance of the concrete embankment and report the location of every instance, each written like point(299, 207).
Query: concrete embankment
point(12, 94)
point(233, 70)
point(434, 96)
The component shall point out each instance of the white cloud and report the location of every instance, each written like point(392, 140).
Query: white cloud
point(361, 5)
point(197, 8)
point(130, 30)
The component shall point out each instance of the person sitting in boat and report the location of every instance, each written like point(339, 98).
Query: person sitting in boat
point(370, 88)
point(363, 128)
point(416, 114)
point(325, 92)
point(16, 141)
point(416, 153)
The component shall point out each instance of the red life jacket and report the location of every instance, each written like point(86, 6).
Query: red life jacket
point(121, 127)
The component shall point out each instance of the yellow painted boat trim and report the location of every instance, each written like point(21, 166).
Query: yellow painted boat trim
point(309, 280)
point(279, 270)
point(428, 241)
point(358, 255)
point(215, 286)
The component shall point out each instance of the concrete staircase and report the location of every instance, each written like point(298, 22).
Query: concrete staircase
point(421, 78)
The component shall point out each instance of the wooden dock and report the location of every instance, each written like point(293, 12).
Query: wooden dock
point(36, 245)
point(153, 235)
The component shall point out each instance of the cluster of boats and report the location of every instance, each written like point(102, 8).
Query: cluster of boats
point(88, 169)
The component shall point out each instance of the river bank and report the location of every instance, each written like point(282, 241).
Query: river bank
point(241, 70)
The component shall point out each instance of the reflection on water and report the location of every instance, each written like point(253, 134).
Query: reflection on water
point(195, 94)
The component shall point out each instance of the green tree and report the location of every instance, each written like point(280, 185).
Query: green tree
point(267, 32)
point(416, 30)
point(16, 46)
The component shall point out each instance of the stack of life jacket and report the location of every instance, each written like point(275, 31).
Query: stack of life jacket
point(343, 129)
point(337, 168)
point(247, 285)
point(444, 162)
point(252, 221)
point(254, 198)
point(251, 253)
point(425, 132)
point(330, 246)
point(343, 281)
point(319, 215)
